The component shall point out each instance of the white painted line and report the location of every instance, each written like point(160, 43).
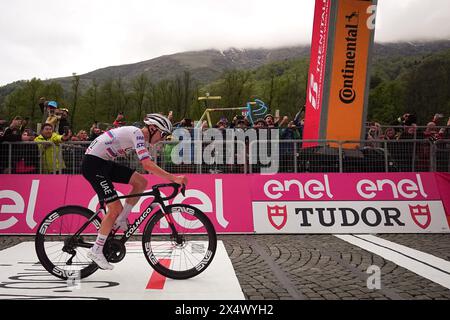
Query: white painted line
point(22, 277)
point(442, 264)
point(425, 270)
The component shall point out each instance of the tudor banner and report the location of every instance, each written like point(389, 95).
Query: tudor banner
point(350, 203)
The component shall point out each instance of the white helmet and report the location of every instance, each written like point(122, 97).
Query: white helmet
point(161, 122)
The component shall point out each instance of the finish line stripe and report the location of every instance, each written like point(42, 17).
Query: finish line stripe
point(157, 281)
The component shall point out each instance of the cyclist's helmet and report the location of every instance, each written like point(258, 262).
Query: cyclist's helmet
point(160, 121)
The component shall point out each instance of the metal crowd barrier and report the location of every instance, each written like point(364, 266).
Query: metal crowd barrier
point(239, 157)
point(28, 158)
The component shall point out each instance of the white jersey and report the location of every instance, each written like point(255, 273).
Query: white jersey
point(119, 142)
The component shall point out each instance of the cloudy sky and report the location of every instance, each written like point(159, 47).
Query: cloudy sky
point(52, 38)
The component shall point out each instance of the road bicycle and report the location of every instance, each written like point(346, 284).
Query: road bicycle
point(179, 241)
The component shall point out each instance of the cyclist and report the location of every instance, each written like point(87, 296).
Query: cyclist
point(101, 171)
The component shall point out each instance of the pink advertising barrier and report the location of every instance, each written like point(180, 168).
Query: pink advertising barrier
point(443, 182)
point(26, 200)
point(227, 199)
point(346, 187)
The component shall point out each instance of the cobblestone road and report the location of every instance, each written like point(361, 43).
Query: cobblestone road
point(321, 267)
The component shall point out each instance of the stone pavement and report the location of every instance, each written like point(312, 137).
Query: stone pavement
point(321, 267)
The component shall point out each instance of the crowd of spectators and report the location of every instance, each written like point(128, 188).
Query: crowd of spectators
point(409, 145)
point(406, 128)
point(56, 129)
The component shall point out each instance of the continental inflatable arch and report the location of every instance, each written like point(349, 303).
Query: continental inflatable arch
point(339, 74)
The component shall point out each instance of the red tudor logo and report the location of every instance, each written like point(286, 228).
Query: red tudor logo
point(277, 216)
point(421, 215)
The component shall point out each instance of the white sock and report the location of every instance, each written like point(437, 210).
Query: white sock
point(125, 212)
point(99, 243)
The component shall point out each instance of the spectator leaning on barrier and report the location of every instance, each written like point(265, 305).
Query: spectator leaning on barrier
point(3, 126)
point(259, 124)
point(25, 155)
point(389, 134)
point(270, 121)
point(374, 133)
point(221, 125)
point(81, 136)
point(50, 154)
point(95, 131)
point(287, 149)
point(438, 120)
point(14, 132)
point(241, 124)
point(28, 135)
point(433, 134)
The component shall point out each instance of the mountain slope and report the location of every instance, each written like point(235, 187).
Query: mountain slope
point(206, 66)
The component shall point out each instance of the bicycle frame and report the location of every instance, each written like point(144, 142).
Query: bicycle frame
point(158, 200)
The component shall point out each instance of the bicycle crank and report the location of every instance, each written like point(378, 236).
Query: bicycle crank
point(114, 250)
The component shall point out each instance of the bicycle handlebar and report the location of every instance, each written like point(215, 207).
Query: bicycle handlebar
point(175, 187)
point(155, 190)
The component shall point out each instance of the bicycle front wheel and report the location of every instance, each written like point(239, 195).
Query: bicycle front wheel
point(60, 250)
point(180, 243)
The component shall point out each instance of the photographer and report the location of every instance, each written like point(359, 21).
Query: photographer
point(54, 115)
point(64, 124)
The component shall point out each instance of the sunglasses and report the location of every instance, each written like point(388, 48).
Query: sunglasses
point(164, 134)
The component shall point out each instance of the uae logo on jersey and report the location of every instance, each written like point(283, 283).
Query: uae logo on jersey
point(421, 215)
point(277, 216)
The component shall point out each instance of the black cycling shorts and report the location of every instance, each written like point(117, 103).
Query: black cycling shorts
point(102, 173)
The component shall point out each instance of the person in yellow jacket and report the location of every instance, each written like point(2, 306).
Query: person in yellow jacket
point(51, 162)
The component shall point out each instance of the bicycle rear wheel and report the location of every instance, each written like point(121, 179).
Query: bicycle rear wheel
point(62, 253)
point(182, 252)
